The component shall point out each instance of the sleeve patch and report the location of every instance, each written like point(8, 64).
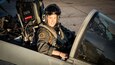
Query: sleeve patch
point(42, 36)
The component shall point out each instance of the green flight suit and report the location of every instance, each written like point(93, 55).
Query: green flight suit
point(49, 40)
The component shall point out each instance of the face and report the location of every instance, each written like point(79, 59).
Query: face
point(52, 19)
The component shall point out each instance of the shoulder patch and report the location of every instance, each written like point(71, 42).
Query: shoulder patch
point(42, 36)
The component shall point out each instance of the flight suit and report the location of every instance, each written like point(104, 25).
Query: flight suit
point(49, 40)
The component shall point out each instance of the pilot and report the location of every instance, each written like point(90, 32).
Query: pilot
point(51, 38)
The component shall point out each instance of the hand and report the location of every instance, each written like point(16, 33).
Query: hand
point(63, 55)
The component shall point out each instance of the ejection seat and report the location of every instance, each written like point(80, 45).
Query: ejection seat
point(29, 14)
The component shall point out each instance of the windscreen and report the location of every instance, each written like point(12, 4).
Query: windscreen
point(99, 41)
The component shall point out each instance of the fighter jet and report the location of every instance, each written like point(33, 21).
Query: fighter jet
point(94, 43)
